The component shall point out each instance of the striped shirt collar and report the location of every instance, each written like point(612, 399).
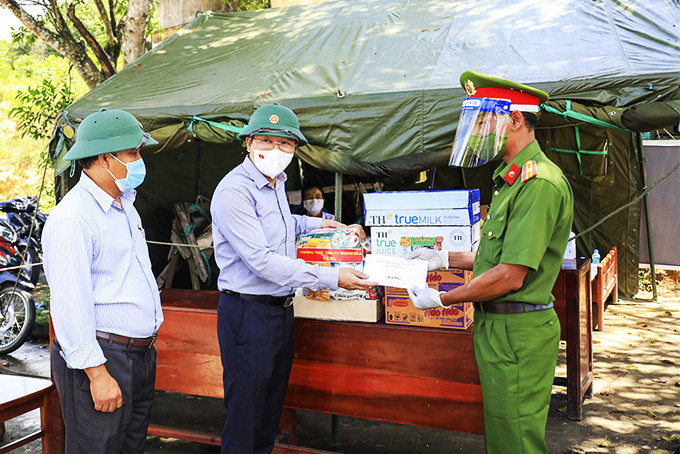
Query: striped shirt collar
point(257, 176)
point(102, 197)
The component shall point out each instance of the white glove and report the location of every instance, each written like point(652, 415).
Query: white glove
point(436, 260)
point(425, 298)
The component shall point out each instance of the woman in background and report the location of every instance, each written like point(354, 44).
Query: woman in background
point(313, 203)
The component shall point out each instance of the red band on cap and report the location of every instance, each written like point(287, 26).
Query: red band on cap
point(515, 97)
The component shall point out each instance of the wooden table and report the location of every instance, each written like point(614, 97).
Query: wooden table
point(20, 395)
point(605, 283)
point(409, 375)
point(573, 305)
point(420, 376)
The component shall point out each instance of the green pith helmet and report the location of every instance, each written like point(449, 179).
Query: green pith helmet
point(274, 120)
point(107, 131)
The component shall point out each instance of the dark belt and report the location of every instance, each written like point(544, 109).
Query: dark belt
point(283, 301)
point(145, 342)
point(509, 308)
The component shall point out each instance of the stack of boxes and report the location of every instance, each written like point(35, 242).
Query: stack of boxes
point(442, 220)
point(336, 248)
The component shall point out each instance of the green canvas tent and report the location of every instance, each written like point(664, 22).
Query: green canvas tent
point(375, 85)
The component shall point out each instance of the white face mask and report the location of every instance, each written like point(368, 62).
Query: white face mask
point(313, 206)
point(271, 162)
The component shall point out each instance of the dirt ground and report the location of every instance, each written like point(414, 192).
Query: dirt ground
point(635, 407)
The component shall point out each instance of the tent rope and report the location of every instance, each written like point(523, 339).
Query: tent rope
point(573, 115)
point(215, 124)
point(632, 202)
point(569, 114)
point(162, 243)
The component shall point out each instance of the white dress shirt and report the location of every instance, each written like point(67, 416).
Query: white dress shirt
point(98, 269)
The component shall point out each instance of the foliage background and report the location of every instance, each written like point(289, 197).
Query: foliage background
point(24, 66)
point(31, 68)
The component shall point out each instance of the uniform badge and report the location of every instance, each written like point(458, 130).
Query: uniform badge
point(529, 170)
point(470, 87)
point(512, 174)
point(68, 131)
point(274, 119)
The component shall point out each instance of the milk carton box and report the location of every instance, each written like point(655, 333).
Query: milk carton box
point(399, 241)
point(420, 208)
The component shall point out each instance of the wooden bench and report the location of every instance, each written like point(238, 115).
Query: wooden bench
point(605, 283)
point(20, 395)
point(421, 376)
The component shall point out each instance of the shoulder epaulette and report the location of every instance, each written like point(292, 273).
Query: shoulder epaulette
point(529, 170)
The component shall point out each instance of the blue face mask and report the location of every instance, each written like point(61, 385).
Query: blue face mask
point(136, 171)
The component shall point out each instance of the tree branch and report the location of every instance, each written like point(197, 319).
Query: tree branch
point(32, 24)
point(111, 37)
point(112, 13)
point(107, 66)
point(62, 41)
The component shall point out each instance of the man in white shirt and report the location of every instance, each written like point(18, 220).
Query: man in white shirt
point(105, 304)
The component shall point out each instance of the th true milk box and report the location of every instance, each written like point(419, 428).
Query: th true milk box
point(419, 208)
point(399, 241)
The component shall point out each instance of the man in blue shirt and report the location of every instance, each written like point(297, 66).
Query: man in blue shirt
point(254, 236)
point(105, 304)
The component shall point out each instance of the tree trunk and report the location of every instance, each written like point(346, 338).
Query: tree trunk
point(135, 30)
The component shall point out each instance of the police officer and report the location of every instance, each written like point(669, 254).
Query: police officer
point(254, 235)
point(104, 300)
point(516, 331)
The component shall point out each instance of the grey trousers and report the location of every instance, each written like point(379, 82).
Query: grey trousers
point(122, 431)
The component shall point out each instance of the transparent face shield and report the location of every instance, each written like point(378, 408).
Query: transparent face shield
point(480, 136)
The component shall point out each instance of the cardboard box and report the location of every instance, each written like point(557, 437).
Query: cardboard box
point(399, 241)
point(336, 258)
point(413, 208)
point(400, 311)
point(357, 310)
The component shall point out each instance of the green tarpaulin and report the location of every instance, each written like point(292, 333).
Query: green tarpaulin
point(375, 85)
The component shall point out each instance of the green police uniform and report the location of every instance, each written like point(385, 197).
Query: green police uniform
point(528, 224)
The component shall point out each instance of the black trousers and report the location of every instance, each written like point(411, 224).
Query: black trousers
point(122, 431)
point(256, 345)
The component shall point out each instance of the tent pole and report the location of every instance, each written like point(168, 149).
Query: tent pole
point(338, 196)
point(335, 425)
point(648, 223)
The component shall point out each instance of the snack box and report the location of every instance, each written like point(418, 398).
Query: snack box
point(413, 208)
point(335, 248)
point(335, 258)
point(400, 311)
point(399, 241)
point(355, 310)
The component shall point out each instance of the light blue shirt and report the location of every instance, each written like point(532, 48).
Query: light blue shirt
point(254, 237)
point(97, 266)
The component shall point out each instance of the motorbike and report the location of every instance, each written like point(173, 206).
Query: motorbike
point(27, 219)
point(17, 307)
